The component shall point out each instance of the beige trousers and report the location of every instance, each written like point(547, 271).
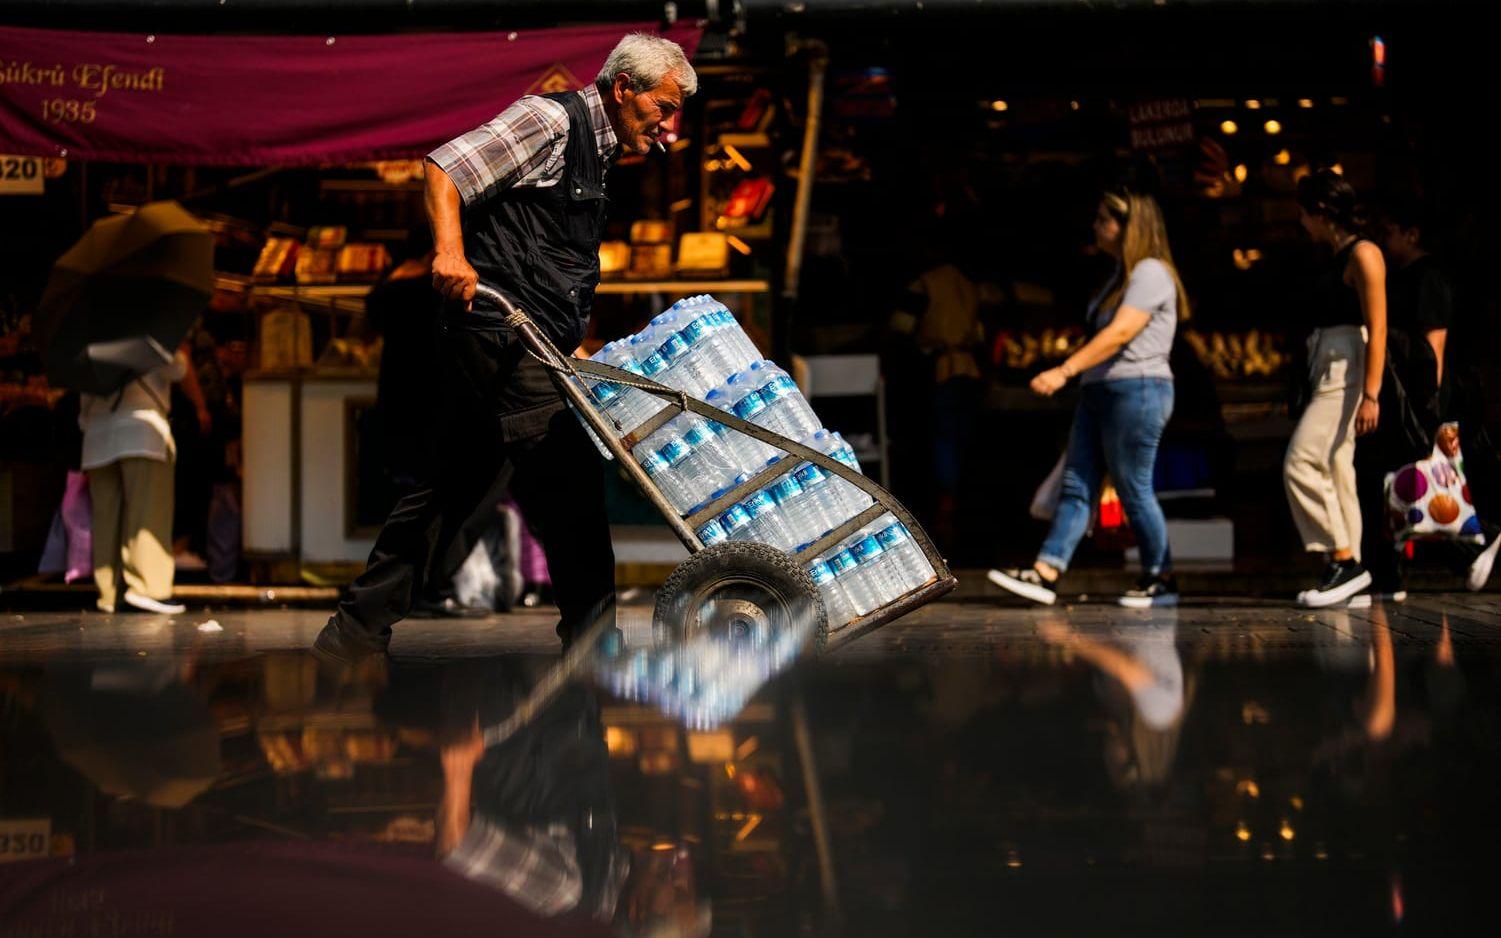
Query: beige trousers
point(1319, 469)
point(132, 533)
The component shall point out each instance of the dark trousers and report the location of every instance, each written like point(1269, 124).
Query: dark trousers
point(503, 423)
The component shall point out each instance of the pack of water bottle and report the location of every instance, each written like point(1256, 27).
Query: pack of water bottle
point(879, 563)
point(697, 346)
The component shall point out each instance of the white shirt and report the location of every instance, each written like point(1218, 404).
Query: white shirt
point(137, 426)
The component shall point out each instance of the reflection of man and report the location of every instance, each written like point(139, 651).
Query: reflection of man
point(534, 816)
point(519, 203)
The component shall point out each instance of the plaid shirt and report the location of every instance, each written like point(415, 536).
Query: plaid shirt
point(537, 867)
point(521, 147)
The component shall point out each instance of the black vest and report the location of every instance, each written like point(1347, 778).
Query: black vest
point(540, 246)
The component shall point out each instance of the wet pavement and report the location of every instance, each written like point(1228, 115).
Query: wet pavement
point(973, 769)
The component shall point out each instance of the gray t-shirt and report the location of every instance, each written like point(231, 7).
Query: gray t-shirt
point(1151, 289)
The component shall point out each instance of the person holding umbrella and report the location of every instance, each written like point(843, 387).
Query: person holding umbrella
point(128, 291)
point(520, 204)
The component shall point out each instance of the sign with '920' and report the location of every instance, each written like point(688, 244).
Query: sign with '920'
point(20, 175)
point(25, 839)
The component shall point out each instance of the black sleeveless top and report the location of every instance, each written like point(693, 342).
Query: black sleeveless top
point(540, 246)
point(1335, 302)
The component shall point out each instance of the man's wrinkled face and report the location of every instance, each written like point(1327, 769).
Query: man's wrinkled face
point(645, 116)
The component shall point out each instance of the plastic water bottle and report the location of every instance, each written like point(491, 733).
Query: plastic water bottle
point(787, 411)
point(707, 358)
point(739, 348)
point(649, 338)
point(847, 573)
point(822, 501)
point(848, 499)
point(710, 532)
point(708, 464)
point(672, 486)
point(804, 522)
point(740, 398)
point(685, 488)
point(767, 524)
point(632, 407)
point(836, 601)
point(884, 582)
point(907, 558)
point(736, 522)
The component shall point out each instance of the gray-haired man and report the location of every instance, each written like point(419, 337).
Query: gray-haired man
point(519, 203)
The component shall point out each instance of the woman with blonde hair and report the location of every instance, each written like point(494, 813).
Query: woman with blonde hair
point(1126, 397)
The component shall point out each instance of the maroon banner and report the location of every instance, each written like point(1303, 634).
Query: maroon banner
point(261, 100)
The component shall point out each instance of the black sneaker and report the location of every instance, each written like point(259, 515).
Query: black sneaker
point(1151, 591)
point(1342, 580)
point(1028, 584)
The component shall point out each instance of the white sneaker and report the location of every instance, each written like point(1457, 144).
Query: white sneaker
point(1480, 570)
point(1027, 584)
point(147, 604)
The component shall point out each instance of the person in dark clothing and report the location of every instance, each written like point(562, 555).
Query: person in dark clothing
point(520, 204)
point(1417, 397)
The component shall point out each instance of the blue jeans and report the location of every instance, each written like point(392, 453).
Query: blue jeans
point(1117, 428)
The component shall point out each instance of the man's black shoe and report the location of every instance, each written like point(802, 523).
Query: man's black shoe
point(334, 646)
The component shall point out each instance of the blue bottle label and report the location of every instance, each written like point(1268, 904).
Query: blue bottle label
point(749, 406)
point(653, 364)
point(759, 503)
point(674, 452)
point(785, 490)
point(734, 519)
point(842, 562)
point(711, 533)
point(673, 348)
point(892, 536)
point(605, 392)
point(820, 573)
point(809, 476)
point(653, 463)
point(692, 332)
point(867, 549)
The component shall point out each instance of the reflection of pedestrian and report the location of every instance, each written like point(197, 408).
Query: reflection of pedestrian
point(129, 454)
point(1347, 355)
point(520, 202)
point(1126, 400)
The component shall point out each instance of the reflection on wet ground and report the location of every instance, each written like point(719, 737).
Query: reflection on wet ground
point(971, 771)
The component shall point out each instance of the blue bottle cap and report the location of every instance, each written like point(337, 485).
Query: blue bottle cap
point(718, 398)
